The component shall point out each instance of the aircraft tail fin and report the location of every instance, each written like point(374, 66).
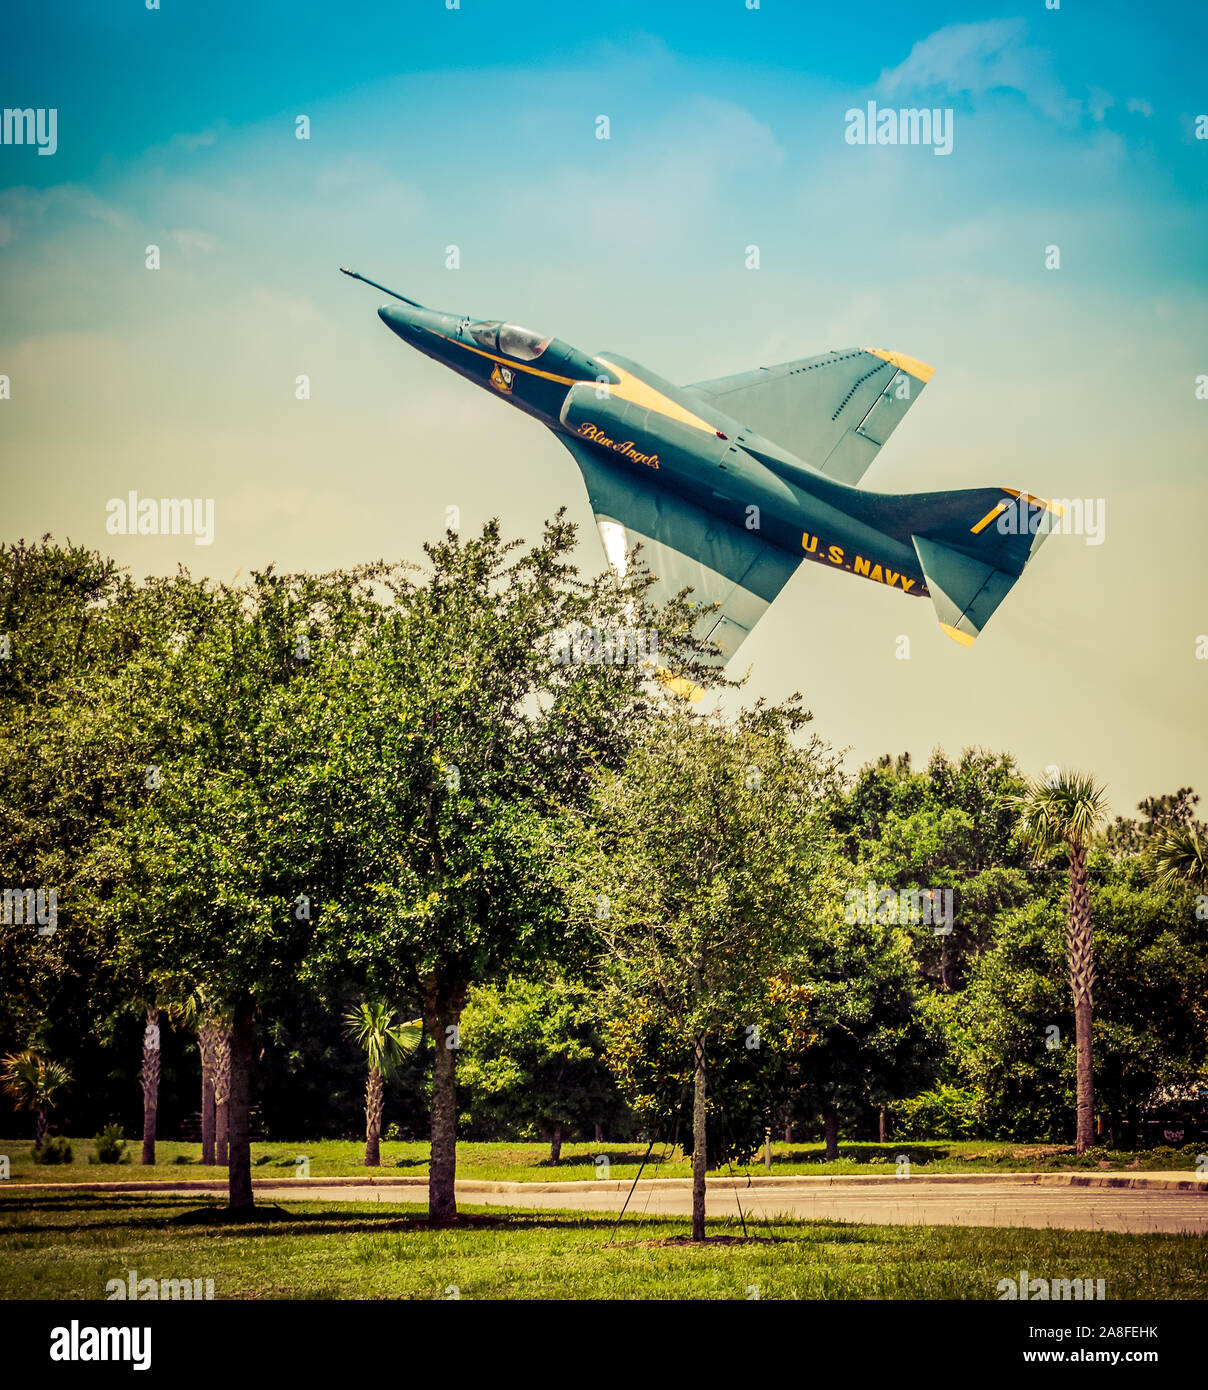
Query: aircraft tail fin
point(973, 547)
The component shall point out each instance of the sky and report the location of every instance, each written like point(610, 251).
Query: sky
point(476, 128)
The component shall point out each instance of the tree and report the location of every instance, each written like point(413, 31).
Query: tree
point(149, 1079)
point(62, 635)
point(948, 828)
point(531, 1057)
point(875, 1043)
point(704, 856)
point(1012, 1025)
point(1064, 813)
point(461, 742)
point(386, 1042)
point(220, 1076)
point(1181, 856)
point(757, 1068)
point(34, 1082)
point(219, 851)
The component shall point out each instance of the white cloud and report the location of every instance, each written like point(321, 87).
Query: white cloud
point(189, 239)
point(22, 208)
point(973, 59)
point(1140, 106)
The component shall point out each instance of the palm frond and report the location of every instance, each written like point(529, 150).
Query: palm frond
point(1066, 810)
point(1181, 856)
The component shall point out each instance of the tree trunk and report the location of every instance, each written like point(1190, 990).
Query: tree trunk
point(150, 1082)
point(555, 1144)
point(767, 1148)
point(442, 1016)
point(205, 1046)
point(788, 1134)
point(373, 1118)
point(239, 1179)
point(222, 1093)
point(599, 1135)
point(41, 1125)
point(830, 1123)
point(1080, 952)
point(882, 1125)
point(700, 1153)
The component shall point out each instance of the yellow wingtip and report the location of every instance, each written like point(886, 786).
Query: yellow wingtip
point(1055, 507)
point(680, 685)
point(957, 635)
point(919, 370)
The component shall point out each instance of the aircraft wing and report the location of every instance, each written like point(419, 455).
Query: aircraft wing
point(833, 411)
point(685, 546)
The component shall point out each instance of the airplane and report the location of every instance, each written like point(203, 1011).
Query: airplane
point(730, 484)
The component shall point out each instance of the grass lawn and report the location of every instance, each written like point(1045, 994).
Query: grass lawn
point(525, 1162)
point(68, 1245)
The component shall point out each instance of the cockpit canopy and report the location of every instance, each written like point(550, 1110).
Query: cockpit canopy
point(522, 342)
point(510, 338)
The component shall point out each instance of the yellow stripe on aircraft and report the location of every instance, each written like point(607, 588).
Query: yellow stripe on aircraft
point(989, 517)
point(1053, 507)
point(640, 393)
point(919, 370)
point(510, 362)
point(957, 635)
point(680, 685)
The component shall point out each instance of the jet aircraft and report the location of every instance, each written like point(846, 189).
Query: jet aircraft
point(730, 484)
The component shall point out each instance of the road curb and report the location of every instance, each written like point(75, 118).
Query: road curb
point(1160, 1182)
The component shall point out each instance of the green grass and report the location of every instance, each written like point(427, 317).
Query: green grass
point(68, 1245)
point(529, 1162)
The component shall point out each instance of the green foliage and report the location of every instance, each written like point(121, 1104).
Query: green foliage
point(944, 1112)
point(385, 1041)
point(109, 1146)
point(876, 1041)
point(755, 1068)
point(1150, 1027)
point(1065, 811)
point(531, 1060)
point(56, 1149)
point(32, 1080)
point(705, 855)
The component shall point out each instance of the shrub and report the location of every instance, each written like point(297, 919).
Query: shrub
point(944, 1113)
point(108, 1146)
point(55, 1150)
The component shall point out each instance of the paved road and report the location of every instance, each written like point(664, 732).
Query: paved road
point(911, 1202)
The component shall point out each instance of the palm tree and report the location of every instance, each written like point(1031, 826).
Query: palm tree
point(33, 1080)
point(199, 1009)
point(1181, 856)
point(149, 1078)
point(1065, 812)
point(386, 1043)
point(220, 1071)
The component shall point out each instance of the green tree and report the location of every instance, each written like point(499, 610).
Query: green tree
point(386, 1042)
point(532, 1060)
point(757, 1068)
point(707, 851)
point(459, 750)
point(948, 828)
point(1181, 856)
point(1010, 1027)
point(1063, 815)
point(218, 853)
point(62, 634)
point(34, 1082)
point(875, 1044)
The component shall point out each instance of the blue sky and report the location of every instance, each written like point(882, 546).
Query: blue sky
point(476, 128)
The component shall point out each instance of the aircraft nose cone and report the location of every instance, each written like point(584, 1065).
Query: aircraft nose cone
point(396, 318)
